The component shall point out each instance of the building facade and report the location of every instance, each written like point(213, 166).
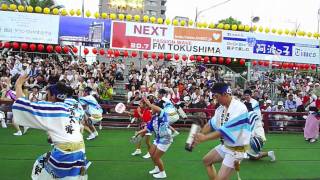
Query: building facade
point(156, 8)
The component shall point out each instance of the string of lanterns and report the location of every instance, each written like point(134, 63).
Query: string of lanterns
point(152, 19)
point(284, 65)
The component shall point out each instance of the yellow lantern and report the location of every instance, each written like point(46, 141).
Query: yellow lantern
point(309, 34)
point(293, 33)
point(303, 33)
point(204, 24)
point(71, 12)
point(128, 17)
point(30, 9)
point(175, 22)
point(286, 31)
point(299, 33)
point(46, 10)
point(88, 13)
point(64, 12)
point(211, 25)
point(316, 35)
point(21, 8)
point(38, 9)
point(145, 18)
point(226, 26)
point(121, 17)
point(273, 30)
point(160, 21)
point(104, 15)
point(267, 30)
point(199, 24)
point(113, 16)
point(168, 22)
point(260, 29)
point(220, 26)
point(4, 7)
point(241, 27)
point(234, 27)
point(97, 15)
point(280, 31)
point(78, 12)
point(247, 28)
point(55, 11)
point(190, 23)
point(136, 17)
point(13, 7)
point(183, 23)
point(254, 28)
point(153, 19)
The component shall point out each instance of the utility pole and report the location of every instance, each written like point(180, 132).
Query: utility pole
point(209, 8)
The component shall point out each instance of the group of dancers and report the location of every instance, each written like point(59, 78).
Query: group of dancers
point(237, 124)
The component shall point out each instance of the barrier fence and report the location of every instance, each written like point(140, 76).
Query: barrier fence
point(273, 121)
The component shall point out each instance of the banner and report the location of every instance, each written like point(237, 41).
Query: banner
point(90, 32)
point(29, 27)
point(213, 42)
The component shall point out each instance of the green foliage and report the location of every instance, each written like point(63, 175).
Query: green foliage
point(230, 20)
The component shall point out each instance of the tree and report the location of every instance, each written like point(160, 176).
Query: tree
point(230, 20)
point(42, 3)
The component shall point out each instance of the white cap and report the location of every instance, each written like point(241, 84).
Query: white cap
point(280, 103)
point(317, 84)
point(268, 101)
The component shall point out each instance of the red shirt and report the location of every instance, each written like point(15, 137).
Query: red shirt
point(146, 114)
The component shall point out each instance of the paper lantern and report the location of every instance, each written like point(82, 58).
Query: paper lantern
point(211, 25)
point(97, 15)
point(226, 26)
point(160, 21)
point(7, 45)
point(29, 9)
point(104, 15)
point(161, 56)
point(145, 18)
point(4, 7)
point(24, 46)
point(254, 63)
point(88, 13)
point(220, 26)
point(206, 59)
point(221, 60)
point(199, 25)
point(13, 7)
point(116, 53)
point(55, 11)
point(168, 22)
point(169, 56)
point(121, 16)
point(38, 9)
point(125, 53)
point(316, 35)
point(267, 30)
point(274, 30)
point(293, 33)
point(247, 28)
point(183, 23)
point(190, 22)
point(204, 25)
point(184, 57)
point(64, 12)
point(109, 52)
point(74, 50)
point(94, 51)
point(136, 17)
point(128, 17)
point(234, 27)
point(290, 65)
point(260, 63)
point(134, 54)
point(286, 31)
point(21, 8)
point(313, 66)
point(145, 55)
point(280, 31)
point(153, 55)
point(101, 52)
point(214, 60)
point(266, 63)
point(241, 27)
point(40, 47)
point(260, 29)
point(15, 45)
point(228, 61)
point(254, 28)
point(71, 12)
point(78, 12)
point(33, 47)
point(191, 58)
point(306, 66)
point(242, 62)
point(49, 48)
point(153, 19)
point(285, 65)
point(199, 58)
point(309, 34)
point(47, 11)
point(86, 51)
point(176, 57)
point(66, 49)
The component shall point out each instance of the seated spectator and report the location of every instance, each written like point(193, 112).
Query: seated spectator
point(291, 104)
point(279, 118)
point(135, 99)
point(105, 92)
point(35, 95)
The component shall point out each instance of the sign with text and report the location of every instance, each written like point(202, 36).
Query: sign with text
point(29, 27)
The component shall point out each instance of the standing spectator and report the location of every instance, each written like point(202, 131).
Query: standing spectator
point(105, 92)
point(149, 67)
point(120, 70)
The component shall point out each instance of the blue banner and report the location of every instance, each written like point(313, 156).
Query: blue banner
point(273, 48)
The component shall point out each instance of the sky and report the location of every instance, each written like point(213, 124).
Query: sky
point(279, 14)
